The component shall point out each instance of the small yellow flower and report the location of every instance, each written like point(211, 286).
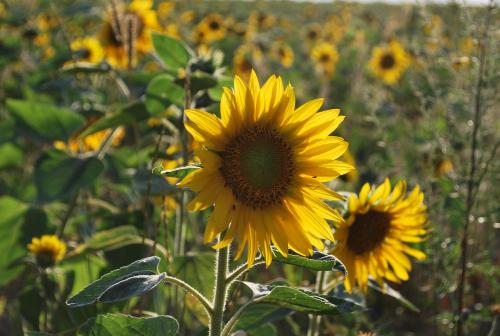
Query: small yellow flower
point(264, 163)
point(47, 249)
point(373, 240)
point(90, 143)
point(389, 62)
point(283, 53)
point(325, 56)
point(211, 28)
point(87, 49)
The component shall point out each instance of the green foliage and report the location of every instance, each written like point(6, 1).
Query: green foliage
point(171, 51)
point(123, 283)
point(161, 93)
point(301, 300)
point(58, 176)
point(117, 324)
point(318, 261)
point(45, 120)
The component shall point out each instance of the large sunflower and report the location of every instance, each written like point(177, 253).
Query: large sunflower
point(389, 62)
point(373, 240)
point(263, 164)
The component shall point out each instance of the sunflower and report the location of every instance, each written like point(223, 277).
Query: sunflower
point(87, 49)
point(47, 249)
point(283, 54)
point(140, 16)
point(372, 241)
point(389, 62)
point(313, 33)
point(242, 62)
point(263, 164)
point(211, 28)
point(92, 142)
point(326, 57)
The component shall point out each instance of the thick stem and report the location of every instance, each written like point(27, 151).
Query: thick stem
point(220, 291)
point(314, 320)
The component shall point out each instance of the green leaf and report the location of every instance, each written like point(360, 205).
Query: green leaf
point(215, 92)
point(161, 93)
point(81, 270)
point(135, 279)
point(197, 270)
point(388, 290)
point(124, 325)
point(171, 51)
point(45, 120)
point(179, 172)
point(11, 220)
point(202, 81)
point(110, 239)
point(255, 318)
point(7, 130)
point(85, 67)
point(318, 261)
point(58, 175)
point(10, 156)
point(130, 114)
point(301, 300)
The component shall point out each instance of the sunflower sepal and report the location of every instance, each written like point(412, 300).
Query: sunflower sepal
point(318, 261)
point(300, 300)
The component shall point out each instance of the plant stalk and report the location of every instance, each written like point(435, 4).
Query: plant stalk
point(314, 320)
point(220, 291)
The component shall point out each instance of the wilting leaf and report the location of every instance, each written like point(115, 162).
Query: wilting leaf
point(120, 284)
point(130, 114)
point(318, 261)
point(47, 121)
point(124, 325)
point(161, 93)
point(58, 175)
point(301, 300)
point(171, 51)
point(179, 171)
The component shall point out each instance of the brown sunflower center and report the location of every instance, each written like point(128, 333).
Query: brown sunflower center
point(214, 25)
point(368, 231)
point(312, 34)
point(387, 61)
point(83, 54)
point(258, 166)
point(324, 58)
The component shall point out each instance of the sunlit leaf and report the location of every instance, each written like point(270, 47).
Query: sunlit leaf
point(124, 325)
point(173, 53)
point(318, 261)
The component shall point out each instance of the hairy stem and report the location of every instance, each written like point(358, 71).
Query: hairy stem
point(220, 291)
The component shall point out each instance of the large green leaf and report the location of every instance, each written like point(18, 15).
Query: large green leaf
point(135, 279)
point(130, 114)
point(58, 175)
point(301, 300)
point(318, 261)
point(10, 156)
point(161, 93)
point(197, 269)
point(47, 121)
point(124, 325)
point(171, 51)
point(11, 220)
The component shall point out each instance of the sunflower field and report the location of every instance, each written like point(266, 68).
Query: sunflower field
point(255, 168)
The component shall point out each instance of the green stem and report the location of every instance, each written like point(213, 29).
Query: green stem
point(202, 299)
point(220, 291)
point(230, 324)
point(314, 321)
point(241, 270)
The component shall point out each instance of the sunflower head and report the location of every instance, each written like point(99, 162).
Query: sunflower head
point(373, 240)
point(47, 249)
point(389, 62)
point(212, 28)
point(87, 49)
point(242, 62)
point(283, 53)
point(263, 163)
point(325, 56)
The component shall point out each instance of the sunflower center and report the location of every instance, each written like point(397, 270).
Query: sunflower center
point(368, 231)
point(214, 25)
point(387, 61)
point(324, 58)
point(258, 166)
point(83, 53)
